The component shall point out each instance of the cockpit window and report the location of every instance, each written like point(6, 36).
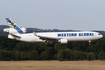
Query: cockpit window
point(99, 34)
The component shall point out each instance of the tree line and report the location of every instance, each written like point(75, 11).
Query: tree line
point(16, 50)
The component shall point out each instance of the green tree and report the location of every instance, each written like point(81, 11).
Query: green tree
point(64, 54)
point(23, 46)
point(101, 55)
point(5, 55)
point(24, 55)
point(44, 55)
point(34, 55)
point(90, 56)
point(17, 55)
point(77, 55)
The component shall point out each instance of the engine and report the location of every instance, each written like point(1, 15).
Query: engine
point(13, 31)
point(63, 41)
point(11, 37)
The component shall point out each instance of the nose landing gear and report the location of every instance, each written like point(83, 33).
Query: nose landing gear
point(89, 42)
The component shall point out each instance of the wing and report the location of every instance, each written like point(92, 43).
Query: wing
point(53, 39)
point(49, 38)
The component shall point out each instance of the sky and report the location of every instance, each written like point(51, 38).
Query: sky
point(55, 14)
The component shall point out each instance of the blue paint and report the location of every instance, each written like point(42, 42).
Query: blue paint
point(67, 34)
point(86, 34)
point(75, 34)
point(64, 35)
point(59, 35)
point(19, 30)
point(7, 19)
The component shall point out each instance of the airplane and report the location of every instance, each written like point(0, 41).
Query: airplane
point(48, 37)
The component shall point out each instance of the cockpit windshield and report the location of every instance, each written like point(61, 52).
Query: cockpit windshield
point(99, 34)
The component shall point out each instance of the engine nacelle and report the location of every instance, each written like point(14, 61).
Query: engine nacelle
point(11, 37)
point(63, 41)
point(13, 31)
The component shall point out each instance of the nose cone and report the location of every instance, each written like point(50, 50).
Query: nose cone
point(101, 36)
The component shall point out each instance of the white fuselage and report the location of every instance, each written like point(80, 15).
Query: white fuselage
point(15, 32)
point(70, 36)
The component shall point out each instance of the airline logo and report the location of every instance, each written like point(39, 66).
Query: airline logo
point(86, 34)
point(75, 34)
point(67, 34)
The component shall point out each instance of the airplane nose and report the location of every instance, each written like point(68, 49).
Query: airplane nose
point(101, 36)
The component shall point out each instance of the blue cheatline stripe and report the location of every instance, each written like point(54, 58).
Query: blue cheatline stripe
point(19, 30)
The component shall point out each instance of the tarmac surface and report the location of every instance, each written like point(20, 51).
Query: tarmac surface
point(52, 65)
